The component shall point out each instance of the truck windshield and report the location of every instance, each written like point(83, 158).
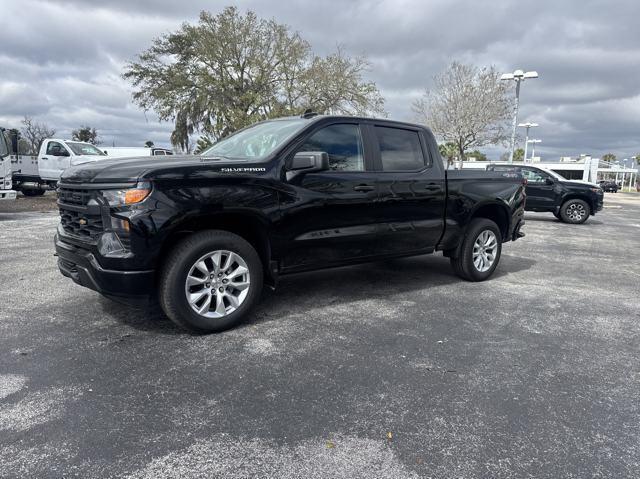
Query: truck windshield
point(84, 149)
point(258, 141)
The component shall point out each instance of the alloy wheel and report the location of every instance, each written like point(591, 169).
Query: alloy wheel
point(217, 284)
point(575, 212)
point(484, 250)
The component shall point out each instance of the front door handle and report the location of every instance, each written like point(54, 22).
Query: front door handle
point(364, 188)
point(432, 188)
point(44, 158)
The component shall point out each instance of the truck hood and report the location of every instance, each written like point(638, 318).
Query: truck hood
point(124, 170)
point(82, 159)
point(580, 183)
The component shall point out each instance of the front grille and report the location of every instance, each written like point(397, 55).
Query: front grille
point(81, 224)
point(74, 196)
point(77, 217)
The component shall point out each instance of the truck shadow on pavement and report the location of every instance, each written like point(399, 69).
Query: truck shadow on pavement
point(303, 292)
point(372, 281)
point(553, 219)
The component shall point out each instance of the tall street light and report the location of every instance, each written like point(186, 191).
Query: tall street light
point(518, 76)
point(527, 125)
point(533, 149)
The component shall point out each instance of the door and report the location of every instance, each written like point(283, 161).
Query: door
point(540, 189)
point(54, 161)
point(412, 191)
point(329, 217)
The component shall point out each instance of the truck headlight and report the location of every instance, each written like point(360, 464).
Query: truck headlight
point(127, 196)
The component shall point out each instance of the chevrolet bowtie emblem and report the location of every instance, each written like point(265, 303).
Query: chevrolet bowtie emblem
point(82, 221)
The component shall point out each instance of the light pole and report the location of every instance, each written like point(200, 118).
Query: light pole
point(518, 76)
point(533, 149)
point(527, 125)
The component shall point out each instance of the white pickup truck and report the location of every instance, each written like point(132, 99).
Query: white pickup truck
point(33, 175)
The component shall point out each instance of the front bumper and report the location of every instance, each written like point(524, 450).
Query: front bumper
point(599, 202)
point(133, 287)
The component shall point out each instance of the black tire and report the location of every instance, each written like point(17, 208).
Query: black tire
point(33, 192)
point(184, 255)
point(463, 263)
point(570, 217)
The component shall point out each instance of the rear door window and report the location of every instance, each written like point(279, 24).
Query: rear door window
point(400, 149)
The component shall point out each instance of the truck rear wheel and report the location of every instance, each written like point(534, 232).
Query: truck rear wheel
point(479, 253)
point(33, 192)
point(574, 211)
point(210, 281)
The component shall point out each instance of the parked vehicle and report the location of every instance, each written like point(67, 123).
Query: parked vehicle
point(6, 191)
point(282, 196)
point(130, 152)
point(571, 201)
point(608, 186)
point(34, 175)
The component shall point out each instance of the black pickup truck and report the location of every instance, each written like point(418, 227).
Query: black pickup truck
point(202, 234)
point(570, 201)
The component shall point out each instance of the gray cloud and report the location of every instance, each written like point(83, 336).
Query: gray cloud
point(60, 61)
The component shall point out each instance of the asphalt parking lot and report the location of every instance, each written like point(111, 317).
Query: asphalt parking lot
point(389, 370)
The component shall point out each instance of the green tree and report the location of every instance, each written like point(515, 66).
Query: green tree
point(203, 144)
point(467, 106)
point(449, 152)
point(518, 155)
point(86, 134)
point(230, 70)
point(148, 144)
point(610, 157)
point(479, 156)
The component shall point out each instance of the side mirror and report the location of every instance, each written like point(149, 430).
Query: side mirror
point(310, 161)
point(307, 162)
point(549, 181)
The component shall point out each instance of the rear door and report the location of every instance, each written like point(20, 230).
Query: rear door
point(412, 191)
point(330, 217)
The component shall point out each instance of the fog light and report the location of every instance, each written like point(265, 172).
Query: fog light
point(109, 244)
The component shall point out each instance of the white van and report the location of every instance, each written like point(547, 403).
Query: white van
point(132, 151)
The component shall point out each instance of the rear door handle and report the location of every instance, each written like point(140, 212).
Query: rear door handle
point(44, 158)
point(432, 188)
point(364, 188)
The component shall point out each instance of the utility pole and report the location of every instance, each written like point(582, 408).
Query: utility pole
point(527, 125)
point(518, 76)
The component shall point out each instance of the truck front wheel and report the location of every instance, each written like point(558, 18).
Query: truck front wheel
point(479, 253)
point(574, 211)
point(210, 281)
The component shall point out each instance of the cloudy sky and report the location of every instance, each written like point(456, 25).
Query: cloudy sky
point(60, 61)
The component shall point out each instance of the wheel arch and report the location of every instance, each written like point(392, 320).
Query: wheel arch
point(579, 196)
point(495, 211)
point(251, 227)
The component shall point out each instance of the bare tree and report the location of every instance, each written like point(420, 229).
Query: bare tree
point(467, 106)
point(35, 133)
